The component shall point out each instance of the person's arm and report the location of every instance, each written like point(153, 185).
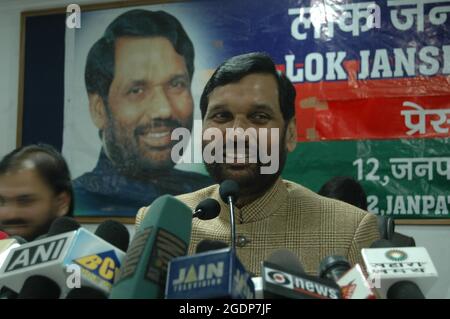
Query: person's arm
point(366, 233)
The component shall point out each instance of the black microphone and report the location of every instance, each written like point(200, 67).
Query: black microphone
point(333, 267)
point(351, 280)
point(404, 290)
point(284, 277)
point(229, 192)
point(382, 243)
point(208, 245)
point(86, 293)
point(39, 287)
point(114, 233)
point(62, 225)
point(207, 209)
point(287, 259)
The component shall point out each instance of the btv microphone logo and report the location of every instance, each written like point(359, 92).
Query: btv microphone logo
point(279, 278)
point(396, 255)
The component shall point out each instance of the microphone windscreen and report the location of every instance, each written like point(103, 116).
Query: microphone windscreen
point(382, 243)
point(3, 235)
point(286, 259)
point(404, 290)
point(229, 188)
point(114, 233)
point(85, 293)
point(39, 287)
point(20, 240)
point(208, 245)
point(63, 225)
point(334, 262)
point(207, 209)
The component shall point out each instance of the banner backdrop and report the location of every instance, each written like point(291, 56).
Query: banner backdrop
point(372, 81)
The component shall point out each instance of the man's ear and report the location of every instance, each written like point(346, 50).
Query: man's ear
point(98, 110)
point(62, 204)
point(291, 135)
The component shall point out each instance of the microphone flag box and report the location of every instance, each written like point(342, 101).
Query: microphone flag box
point(280, 283)
point(61, 256)
point(390, 265)
point(209, 275)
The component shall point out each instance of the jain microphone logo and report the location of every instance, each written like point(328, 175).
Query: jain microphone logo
point(73, 19)
point(199, 276)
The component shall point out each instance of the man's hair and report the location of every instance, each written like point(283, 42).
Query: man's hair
point(345, 189)
point(99, 71)
point(235, 68)
point(49, 164)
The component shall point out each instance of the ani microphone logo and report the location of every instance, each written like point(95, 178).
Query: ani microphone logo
point(396, 255)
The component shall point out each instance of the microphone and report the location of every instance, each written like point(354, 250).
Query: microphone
point(207, 209)
point(209, 275)
point(39, 287)
point(114, 233)
point(209, 245)
point(229, 193)
point(333, 267)
point(402, 272)
point(62, 225)
point(86, 293)
point(164, 233)
point(282, 277)
point(6, 245)
point(352, 281)
point(74, 258)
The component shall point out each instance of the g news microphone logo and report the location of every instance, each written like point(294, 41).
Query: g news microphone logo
point(280, 278)
point(73, 19)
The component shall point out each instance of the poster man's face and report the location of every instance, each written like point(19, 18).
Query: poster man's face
point(148, 98)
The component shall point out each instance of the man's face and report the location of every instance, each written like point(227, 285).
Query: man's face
point(250, 103)
point(27, 204)
point(148, 98)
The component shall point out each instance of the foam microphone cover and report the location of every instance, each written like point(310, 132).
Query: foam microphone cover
point(114, 233)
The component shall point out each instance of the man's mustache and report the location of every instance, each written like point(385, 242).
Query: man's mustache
point(157, 123)
point(14, 222)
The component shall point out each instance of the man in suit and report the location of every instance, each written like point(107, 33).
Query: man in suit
point(245, 92)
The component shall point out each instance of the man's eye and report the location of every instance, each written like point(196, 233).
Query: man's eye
point(25, 201)
point(221, 116)
point(178, 84)
point(261, 117)
point(136, 90)
point(2, 201)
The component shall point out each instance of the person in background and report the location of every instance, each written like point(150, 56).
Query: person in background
point(35, 189)
point(349, 190)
